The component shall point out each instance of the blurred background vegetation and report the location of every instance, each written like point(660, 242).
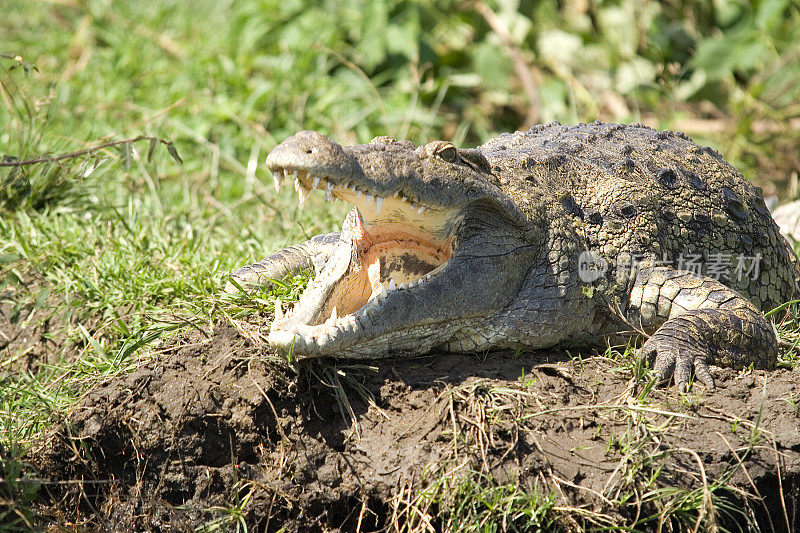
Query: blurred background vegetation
point(104, 252)
point(119, 235)
point(229, 79)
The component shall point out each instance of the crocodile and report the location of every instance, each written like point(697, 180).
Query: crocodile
point(560, 236)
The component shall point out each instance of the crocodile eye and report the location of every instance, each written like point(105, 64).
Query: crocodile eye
point(442, 149)
point(448, 153)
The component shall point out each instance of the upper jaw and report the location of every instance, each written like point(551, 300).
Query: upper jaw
point(376, 207)
point(388, 178)
point(386, 184)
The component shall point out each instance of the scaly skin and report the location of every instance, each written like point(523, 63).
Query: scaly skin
point(559, 236)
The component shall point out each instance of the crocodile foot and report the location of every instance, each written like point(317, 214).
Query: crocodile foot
point(688, 343)
point(675, 351)
point(697, 321)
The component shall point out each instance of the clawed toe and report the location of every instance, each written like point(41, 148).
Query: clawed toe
point(670, 362)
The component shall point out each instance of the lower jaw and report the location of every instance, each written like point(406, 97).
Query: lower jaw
point(383, 258)
point(387, 266)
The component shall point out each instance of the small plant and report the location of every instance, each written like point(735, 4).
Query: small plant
point(791, 400)
point(31, 180)
point(463, 500)
point(18, 488)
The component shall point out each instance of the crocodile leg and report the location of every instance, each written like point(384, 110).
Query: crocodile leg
point(303, 256)
point(699, 321)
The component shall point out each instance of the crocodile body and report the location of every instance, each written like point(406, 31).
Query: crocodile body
point(558, 236)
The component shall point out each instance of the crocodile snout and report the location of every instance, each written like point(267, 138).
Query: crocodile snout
point(308, 150)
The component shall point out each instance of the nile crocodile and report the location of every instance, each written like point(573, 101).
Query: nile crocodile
point(558, 236)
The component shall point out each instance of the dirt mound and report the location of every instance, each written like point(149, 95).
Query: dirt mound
point(26, 334)
point(216, 429)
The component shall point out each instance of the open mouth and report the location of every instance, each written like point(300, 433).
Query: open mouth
point(398, 243)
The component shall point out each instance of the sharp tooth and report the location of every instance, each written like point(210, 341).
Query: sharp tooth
point(353, 188)
point(378, 205)
point(334, 314)
point(328, 190)
point(296, 184)
point(403, 286)
point(278, 309)
point(369, 198)
point(302, 193)
point(316, 182)
point(392, 285)
point(277, 178)
point(358, 193)
point(421, 209)
point(379, 293)
point(403, 198)
point(285, 173)
point(346, 184)
point(395, 194)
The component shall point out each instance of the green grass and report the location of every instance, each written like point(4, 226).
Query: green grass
point(104, 255)
point(462, 500)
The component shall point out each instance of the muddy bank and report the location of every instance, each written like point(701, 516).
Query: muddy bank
point(216, 428)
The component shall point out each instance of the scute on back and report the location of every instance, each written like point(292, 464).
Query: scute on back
point(635, 193)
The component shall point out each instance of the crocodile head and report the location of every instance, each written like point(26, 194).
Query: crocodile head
point(420, 256)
